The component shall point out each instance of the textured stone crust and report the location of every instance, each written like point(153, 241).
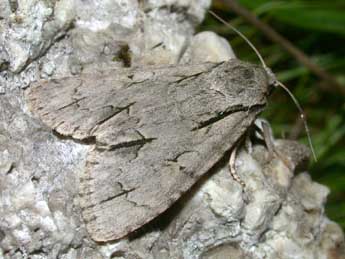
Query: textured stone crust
point(156, 131)
point(281, 213)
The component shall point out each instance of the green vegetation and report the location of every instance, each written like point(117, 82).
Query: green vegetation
point(318, 29)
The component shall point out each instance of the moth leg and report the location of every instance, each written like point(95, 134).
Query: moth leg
point(232, 166)
point(248, 143)
point(269, 141)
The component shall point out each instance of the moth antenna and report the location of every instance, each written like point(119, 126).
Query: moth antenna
point(302, 116)
point(275, 80)
point(241, 35)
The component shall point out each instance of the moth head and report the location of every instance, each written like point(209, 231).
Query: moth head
point(241, 83)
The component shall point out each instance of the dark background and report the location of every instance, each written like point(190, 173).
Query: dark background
point(318, 29)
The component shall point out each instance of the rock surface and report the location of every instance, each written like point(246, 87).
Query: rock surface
point(278, 215)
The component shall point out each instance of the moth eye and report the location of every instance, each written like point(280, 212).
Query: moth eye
point(247, 73)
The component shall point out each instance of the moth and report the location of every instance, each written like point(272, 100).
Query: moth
point(154, 132)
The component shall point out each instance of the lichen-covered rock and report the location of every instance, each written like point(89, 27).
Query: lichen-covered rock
point(207, 46)
point(279, 215)
point(37, 181)
point(32, 26)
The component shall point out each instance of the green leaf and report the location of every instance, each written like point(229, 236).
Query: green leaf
point(324, 16)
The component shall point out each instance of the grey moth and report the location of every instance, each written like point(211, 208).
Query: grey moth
point(154, 132)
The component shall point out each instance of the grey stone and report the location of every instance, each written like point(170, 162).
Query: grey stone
point(280, 214)
point(207, 47)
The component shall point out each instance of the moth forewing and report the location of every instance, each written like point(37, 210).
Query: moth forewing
point(155, 132)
